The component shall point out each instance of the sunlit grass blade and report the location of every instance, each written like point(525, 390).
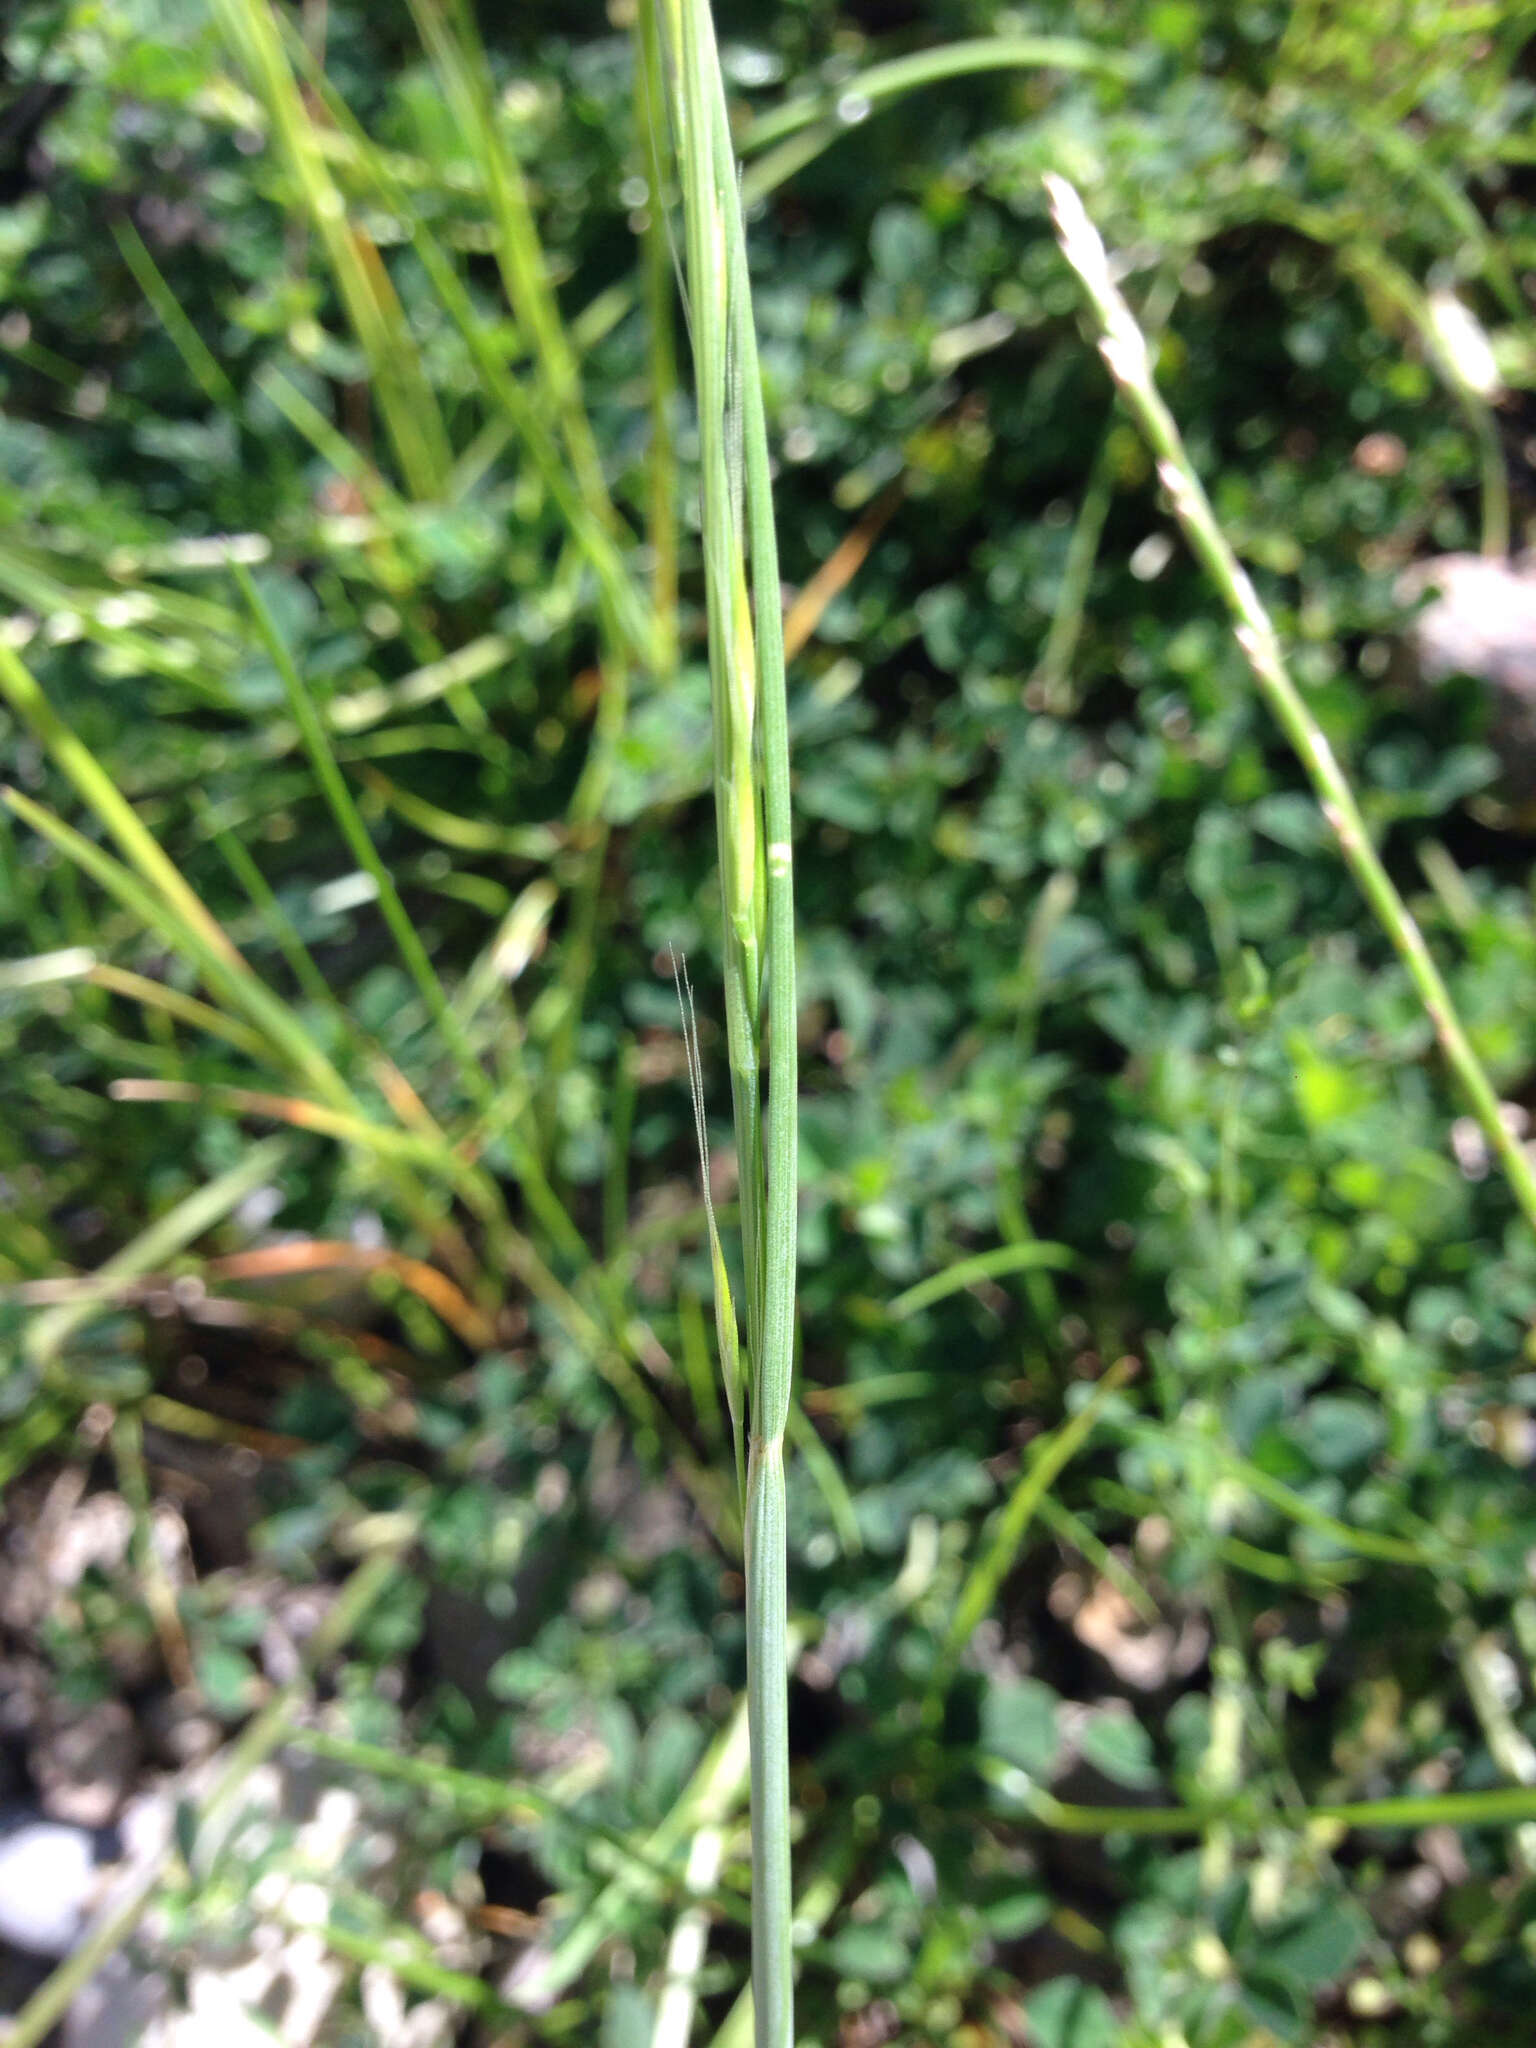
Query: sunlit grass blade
point(712, 1794)
point(1032, 1255)
point(678, 2002)
point(507, 1249)
point(226, 975)
point(465, 835)
point(811, 603)
point(624, 606)
point(139, 988)
point(357, 710)
point(856, 96)
point(106, 801)
point(311, 1255)
point(406, 398)
point(64, 963)
point(296, 1111)
point(452, 42)
point(519, 938)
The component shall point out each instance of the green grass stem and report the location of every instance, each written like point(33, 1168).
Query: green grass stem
point(1501, 1807)
point(453, 44)
point(751, 732)
point(851, 101)
point(1029, 1255)
point(398, 376)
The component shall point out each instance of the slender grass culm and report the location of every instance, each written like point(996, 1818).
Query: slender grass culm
point(1129, 361)
point(752, 813)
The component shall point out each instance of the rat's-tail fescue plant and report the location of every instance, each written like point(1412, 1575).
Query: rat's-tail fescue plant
point(751, 755)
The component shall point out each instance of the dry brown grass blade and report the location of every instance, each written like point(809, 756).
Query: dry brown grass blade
point(202, 1425)
point(404, 1101)
point(319, 1255)
point(296, 1110)
point(810, 604)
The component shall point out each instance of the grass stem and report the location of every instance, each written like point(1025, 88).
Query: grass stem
point(1124, 349)
point(751, 730)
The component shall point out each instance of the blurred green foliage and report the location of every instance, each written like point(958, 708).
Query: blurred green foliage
point(1078, 964)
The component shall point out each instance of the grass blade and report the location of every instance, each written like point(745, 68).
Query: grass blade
point(1032, 1255)
point(333, 784)
point(727, 1334)
point(1049, 1459)
point(49, 1332)
point(454, 48)
point(101, 794)
point(856, 96)
point(226, 974)
point(404, 391)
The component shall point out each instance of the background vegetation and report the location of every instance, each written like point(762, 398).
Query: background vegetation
point(349, 551)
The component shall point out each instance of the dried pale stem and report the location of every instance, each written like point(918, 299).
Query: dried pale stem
point(1125, 351)
point(1508, 1744)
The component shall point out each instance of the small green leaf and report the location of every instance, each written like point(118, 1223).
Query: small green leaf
point(227, 1678)
point(1119, 1747)
point(1336, 1431)
point(876, 1955)
point(1017, 1913)
point(1019, 1724)
point(1066, 2013)
point(1318, 1947)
